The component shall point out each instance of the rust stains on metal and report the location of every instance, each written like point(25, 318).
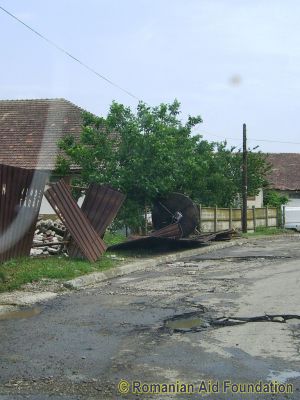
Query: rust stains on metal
point(80, 228)
point(172, 231)
point(21, 193)
point(101, 204)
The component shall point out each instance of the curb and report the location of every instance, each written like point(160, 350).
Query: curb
point(96, 277)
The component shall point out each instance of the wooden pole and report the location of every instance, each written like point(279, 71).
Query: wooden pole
point(267, 217)
point(245, 181)
point(230, 218)
point(278, 217)
point(49, 244)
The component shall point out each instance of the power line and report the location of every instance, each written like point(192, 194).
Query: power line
point(273, 141)
point(70, 55)
point(249, 139)
point(61, 49)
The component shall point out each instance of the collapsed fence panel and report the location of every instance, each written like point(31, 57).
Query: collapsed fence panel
point(21, 193)
point(81, 230)
point(101, 204)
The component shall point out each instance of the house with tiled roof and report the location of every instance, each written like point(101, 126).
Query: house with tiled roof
point(285, 175)
point(31, 129)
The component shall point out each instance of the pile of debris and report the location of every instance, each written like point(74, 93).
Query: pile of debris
point(174, 217)
point(48, 237)
point(174, 221)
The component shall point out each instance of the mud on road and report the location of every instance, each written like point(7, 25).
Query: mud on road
point(159, 326)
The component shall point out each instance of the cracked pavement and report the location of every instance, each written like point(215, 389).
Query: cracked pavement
point(82, 343)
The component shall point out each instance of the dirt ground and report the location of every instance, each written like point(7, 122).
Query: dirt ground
point(190, 322)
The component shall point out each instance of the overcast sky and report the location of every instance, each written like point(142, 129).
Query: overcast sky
point(231, 61)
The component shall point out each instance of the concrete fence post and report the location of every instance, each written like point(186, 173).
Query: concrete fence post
point(200, 217)
point(215, 219)
point(254, 218)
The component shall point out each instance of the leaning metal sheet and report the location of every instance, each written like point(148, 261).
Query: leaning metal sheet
point(101, 205)
point(80, 228)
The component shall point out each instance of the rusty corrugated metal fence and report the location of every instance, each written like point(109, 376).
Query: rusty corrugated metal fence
point(21, 193)
point(101, 204)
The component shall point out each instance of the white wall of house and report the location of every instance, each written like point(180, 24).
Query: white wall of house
point(46, 209)
point(45, 206)
point(293, 195)
point(294, 199)
point(294, 203)
point(256, 201)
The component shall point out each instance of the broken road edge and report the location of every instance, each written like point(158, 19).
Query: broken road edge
point(143, 264)
point(9, 301)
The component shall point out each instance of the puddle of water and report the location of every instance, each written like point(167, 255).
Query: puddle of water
point(191, 321)
point(185, 323)
point(282, 376)
point(20, 314)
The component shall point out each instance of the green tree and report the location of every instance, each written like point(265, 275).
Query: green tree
point(151, 152)
point(145, 155)
point(221, 171)
point(274, 199)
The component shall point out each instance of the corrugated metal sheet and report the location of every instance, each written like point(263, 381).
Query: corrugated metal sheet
point(174, 208)
point(172, 231)
point(80, 228)
point(21, 193)
point(100, 206)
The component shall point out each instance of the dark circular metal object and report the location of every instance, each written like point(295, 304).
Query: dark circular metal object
point(175, 207)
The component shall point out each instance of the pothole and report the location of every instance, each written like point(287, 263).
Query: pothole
point(250, 257)
point(188, 322)
point(231, 321)
point(198, 321)
point(185, 324)
point(20, 313)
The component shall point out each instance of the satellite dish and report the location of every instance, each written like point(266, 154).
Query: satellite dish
point(175, 208)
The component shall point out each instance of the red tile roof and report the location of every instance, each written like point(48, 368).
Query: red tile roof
point(285, 173)
point(30, 130)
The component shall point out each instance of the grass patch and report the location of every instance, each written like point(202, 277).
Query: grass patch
point(15, 273)
point(261, 231)
point(113, 238)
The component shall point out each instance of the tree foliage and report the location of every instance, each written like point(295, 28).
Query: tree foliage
point(274, 199)
point(151, 152)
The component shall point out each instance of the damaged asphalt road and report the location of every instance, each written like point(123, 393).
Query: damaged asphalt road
point(158, 326)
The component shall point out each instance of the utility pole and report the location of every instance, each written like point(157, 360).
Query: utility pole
point(244, 181)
